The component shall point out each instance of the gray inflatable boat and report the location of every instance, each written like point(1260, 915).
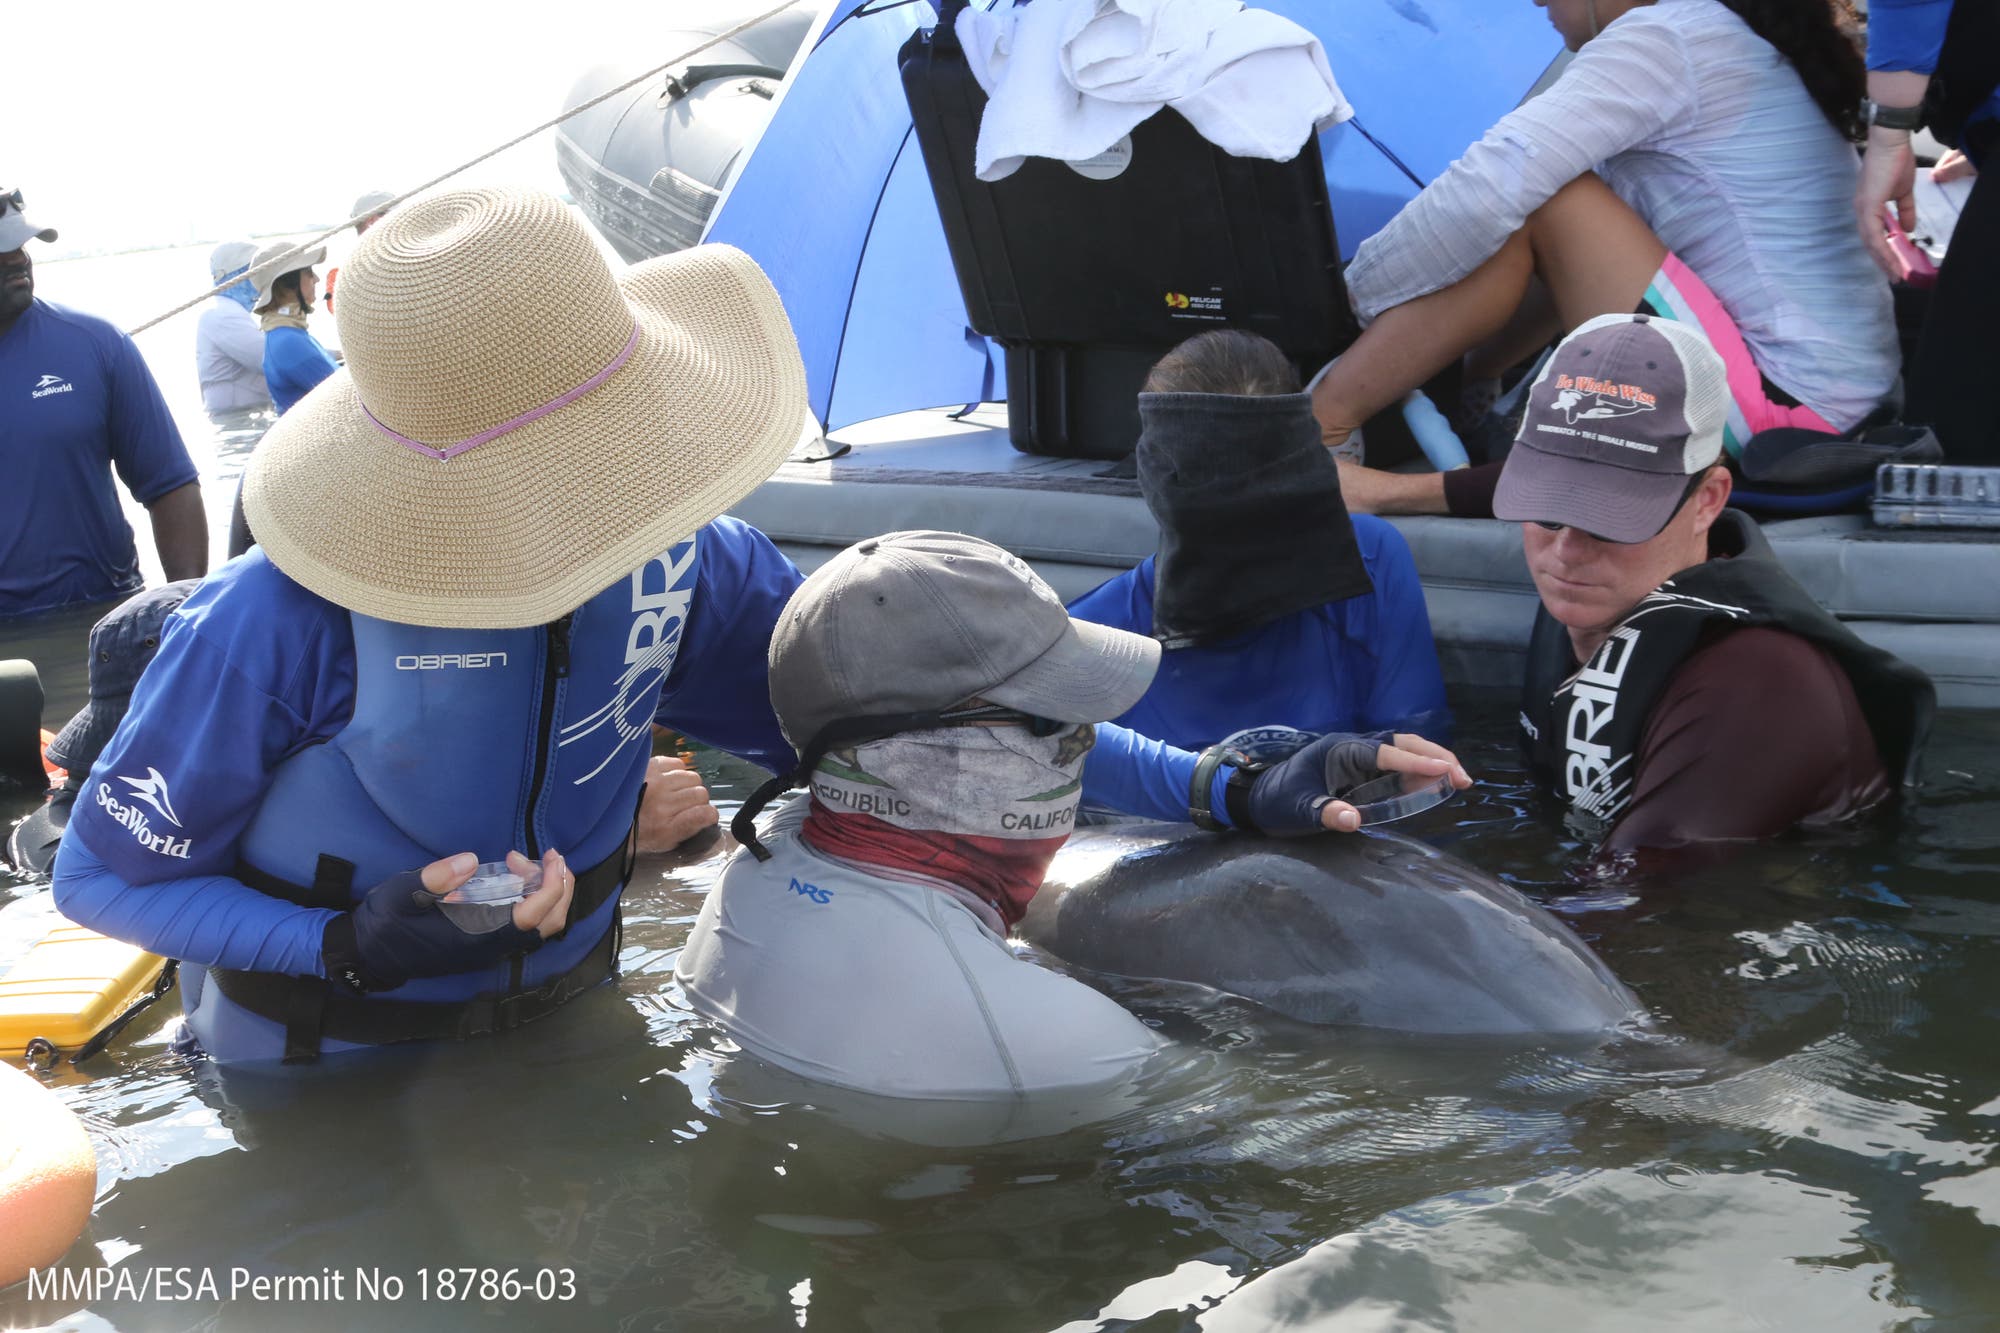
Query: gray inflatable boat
point(1931, 596)
point(648, 166)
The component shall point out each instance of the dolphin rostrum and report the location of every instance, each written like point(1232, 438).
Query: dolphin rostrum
point(1359, 930)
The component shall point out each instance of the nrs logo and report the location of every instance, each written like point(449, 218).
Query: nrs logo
point(49, 384)
point(447, 661)
point(152, 789)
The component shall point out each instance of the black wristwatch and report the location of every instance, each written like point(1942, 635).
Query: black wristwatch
point(1243, 771)
point(1873, 113)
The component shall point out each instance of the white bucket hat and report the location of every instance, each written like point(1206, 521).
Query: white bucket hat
point(230, 256)
point(271, 264)
point(516, 429)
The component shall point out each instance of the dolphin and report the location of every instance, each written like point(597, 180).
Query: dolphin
point(1367, 930)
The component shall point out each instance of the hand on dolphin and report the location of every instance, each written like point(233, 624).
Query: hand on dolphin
point(1300, 794)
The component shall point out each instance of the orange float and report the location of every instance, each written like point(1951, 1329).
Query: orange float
point(57, 774)
point(48, 1176)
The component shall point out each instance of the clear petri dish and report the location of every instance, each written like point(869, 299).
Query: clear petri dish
point(1396, 796)
point(494, 884)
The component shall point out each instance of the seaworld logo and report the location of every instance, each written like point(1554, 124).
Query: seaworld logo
point(135, 821)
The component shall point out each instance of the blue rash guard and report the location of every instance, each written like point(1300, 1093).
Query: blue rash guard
point(1908, 36)
point(76, 401)
point(254, 671)
point(294, 362)
point(1367, 663)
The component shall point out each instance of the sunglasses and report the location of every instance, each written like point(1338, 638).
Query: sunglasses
point(1687, 493)
point(12, 199)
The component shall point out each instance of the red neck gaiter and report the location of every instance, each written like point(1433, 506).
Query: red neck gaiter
point(1004, 872)
point(981, 808)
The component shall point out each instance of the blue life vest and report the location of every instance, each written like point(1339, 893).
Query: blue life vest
point(487, 741)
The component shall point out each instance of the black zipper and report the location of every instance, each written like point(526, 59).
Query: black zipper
point(555, 666)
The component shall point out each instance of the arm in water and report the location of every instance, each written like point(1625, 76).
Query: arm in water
point(719, 690)
point(1129, 772)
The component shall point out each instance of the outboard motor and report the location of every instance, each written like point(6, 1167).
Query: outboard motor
point(648, 166)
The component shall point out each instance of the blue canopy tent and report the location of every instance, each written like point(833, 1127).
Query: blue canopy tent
point(835, 205)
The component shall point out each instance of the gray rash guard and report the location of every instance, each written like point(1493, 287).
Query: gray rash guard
point(890, 986)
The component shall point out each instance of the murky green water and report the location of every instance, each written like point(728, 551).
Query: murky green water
point(1807, 1139)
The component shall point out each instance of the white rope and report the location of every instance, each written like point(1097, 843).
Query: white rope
point(310, 242)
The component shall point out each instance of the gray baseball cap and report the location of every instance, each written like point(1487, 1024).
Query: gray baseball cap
point(1626, 410)
point(913, 622)
point(271, 263)
point(15, 229)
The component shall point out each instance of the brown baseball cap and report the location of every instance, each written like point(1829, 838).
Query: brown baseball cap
point(1626, 410)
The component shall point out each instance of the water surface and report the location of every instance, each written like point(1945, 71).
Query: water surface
point(1804, 1138)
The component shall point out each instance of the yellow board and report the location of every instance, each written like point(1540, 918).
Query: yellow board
point(70, 986)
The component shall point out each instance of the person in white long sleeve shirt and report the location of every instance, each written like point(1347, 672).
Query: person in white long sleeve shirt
point(229, 346)
point(1682, 165)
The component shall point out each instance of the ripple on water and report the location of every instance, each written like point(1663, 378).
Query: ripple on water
point(1588, 1250)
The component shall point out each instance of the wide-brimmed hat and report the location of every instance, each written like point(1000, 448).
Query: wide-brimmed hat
point(274, 262)
point(121, 644)
point(515, 428)
point(33, 843)
point(15, 229)
point(1628, 408)
point(916, 622)
point(369, 204)
point(230, 257)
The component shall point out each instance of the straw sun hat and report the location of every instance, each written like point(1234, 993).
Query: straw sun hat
point(516, 429)
point(274, 261)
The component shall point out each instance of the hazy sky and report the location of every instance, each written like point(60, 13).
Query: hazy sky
point(152, 124)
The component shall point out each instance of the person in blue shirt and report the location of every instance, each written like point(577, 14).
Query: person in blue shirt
point(294, 360)
point(490, 557)
point(1272, 605)
point(1936, 63)
point(76, 403)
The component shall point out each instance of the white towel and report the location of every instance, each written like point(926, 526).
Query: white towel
point(1069, 78)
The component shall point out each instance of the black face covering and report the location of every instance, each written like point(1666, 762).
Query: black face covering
point(1252, 526)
